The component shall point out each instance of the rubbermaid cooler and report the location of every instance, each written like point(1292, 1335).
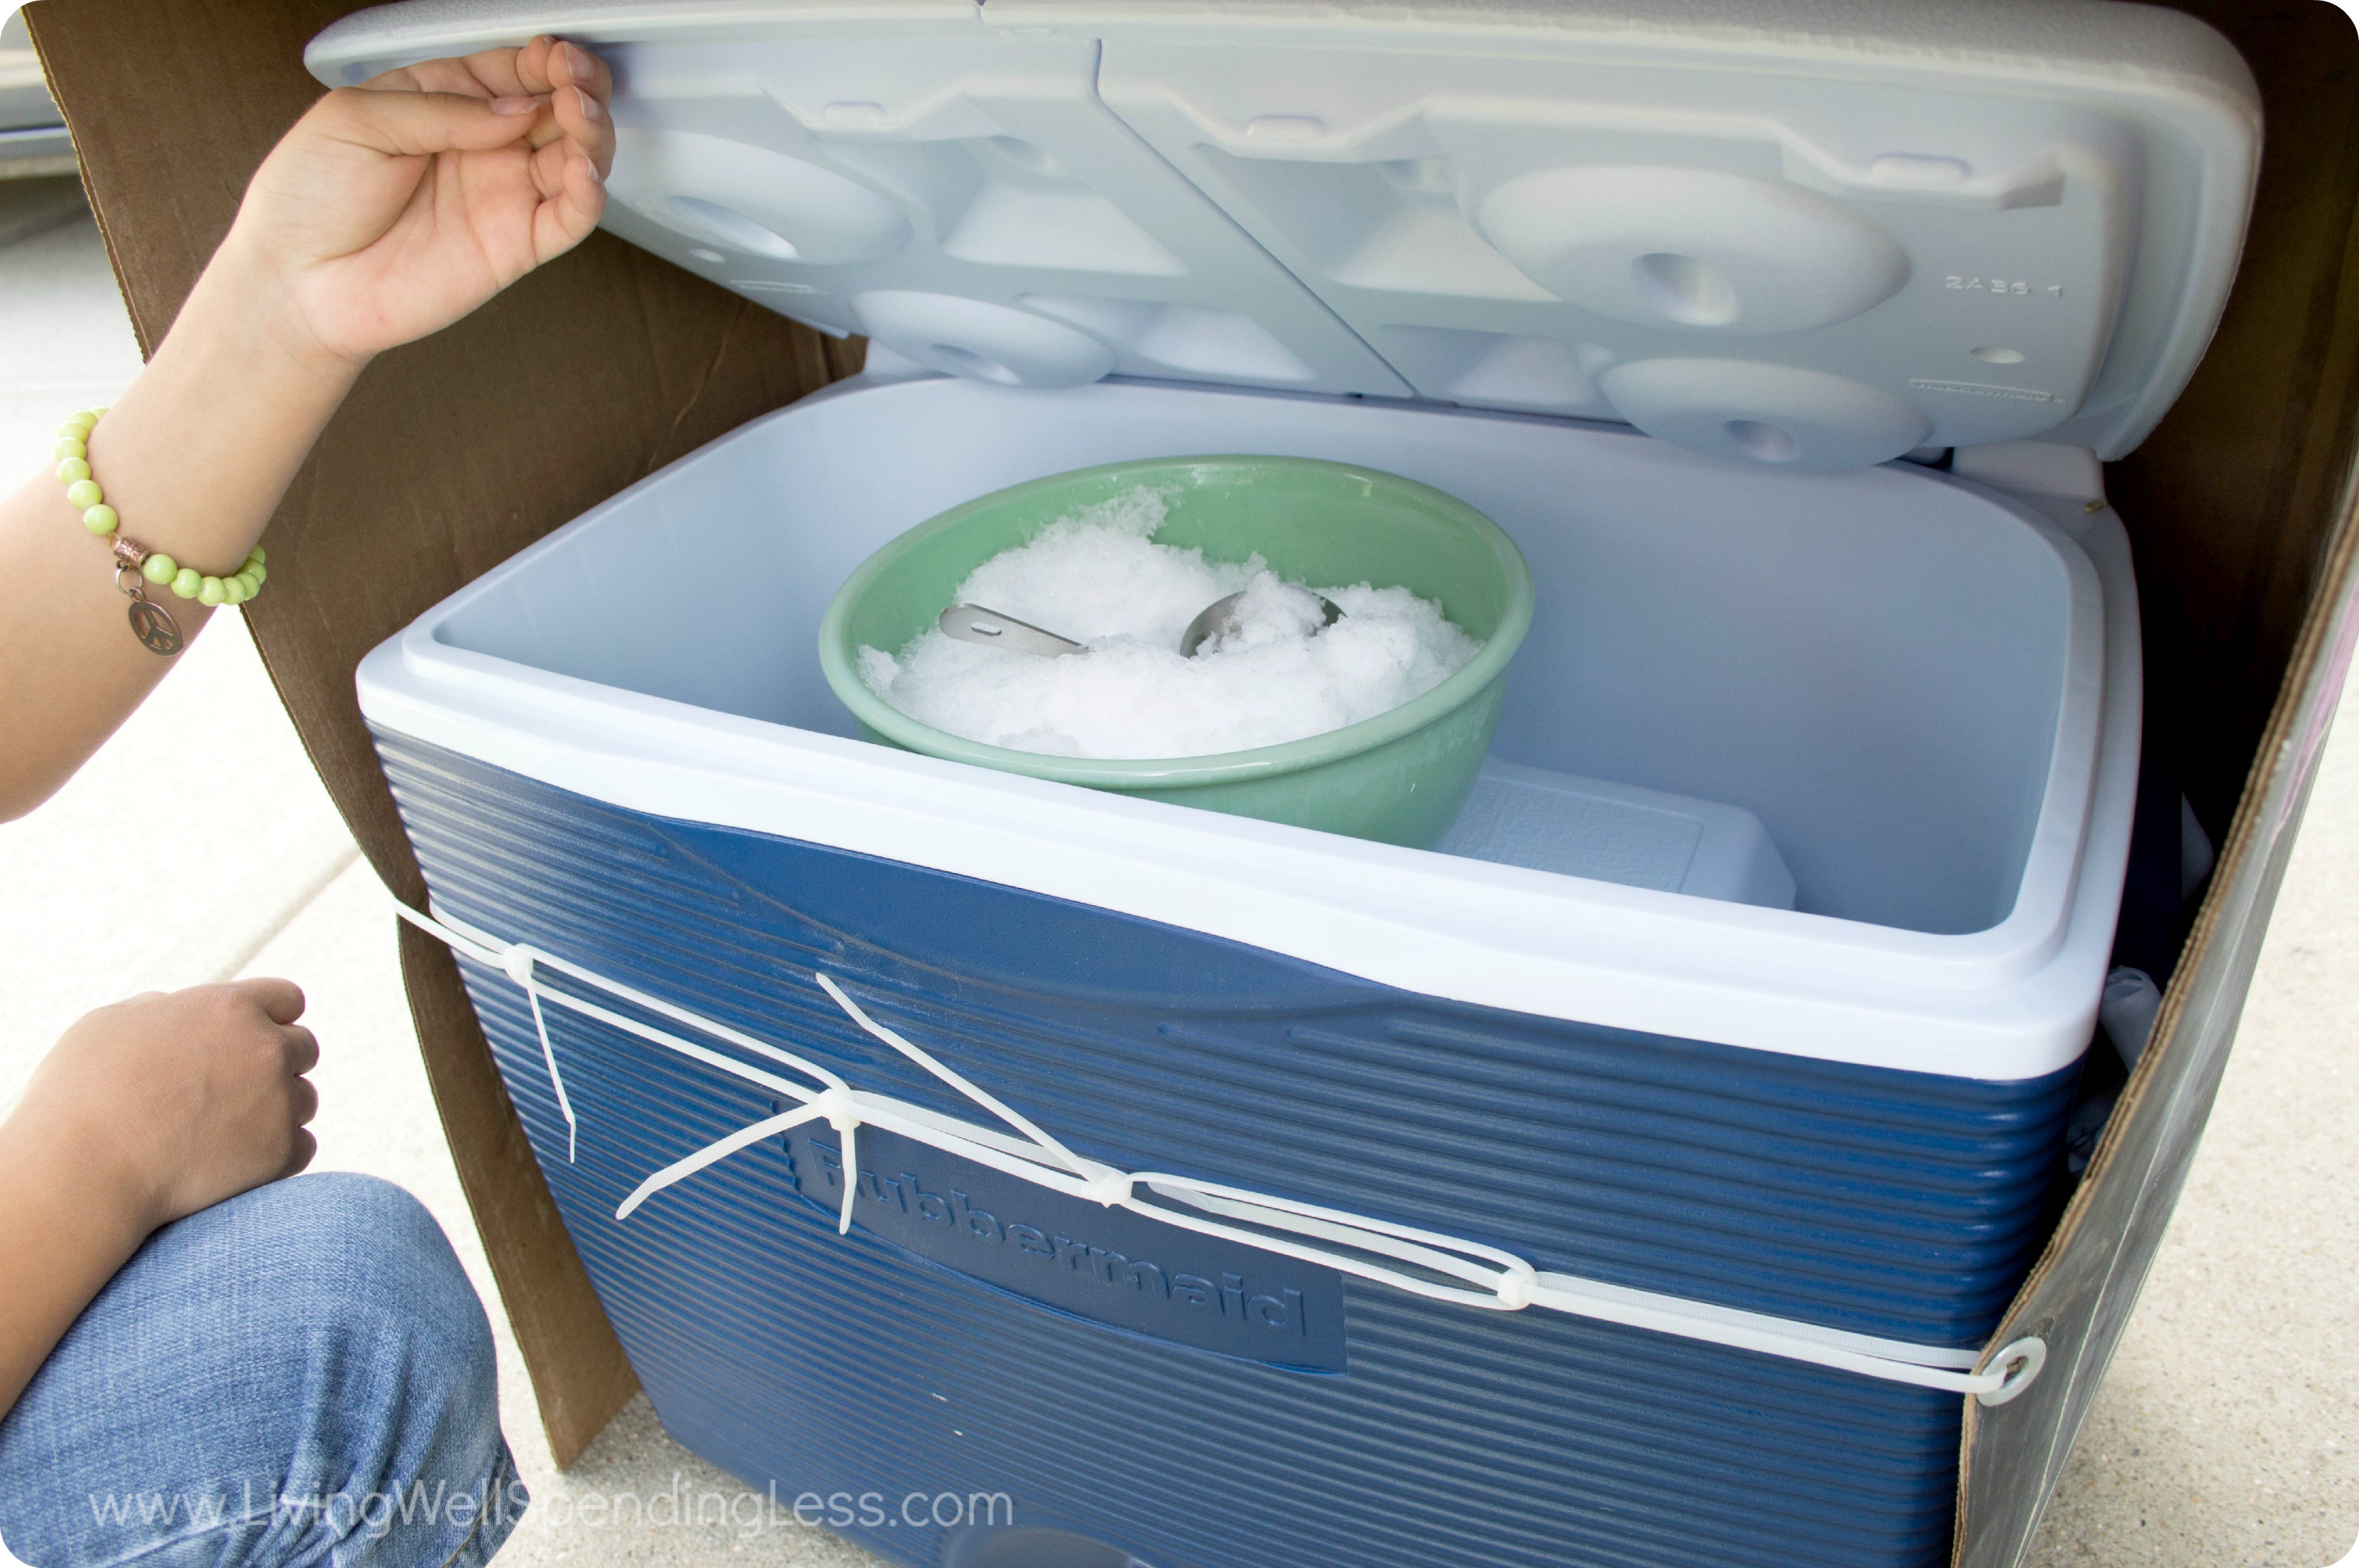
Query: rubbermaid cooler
point(1171, 1188)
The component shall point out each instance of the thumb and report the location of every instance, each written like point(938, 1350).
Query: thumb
point(399, 123)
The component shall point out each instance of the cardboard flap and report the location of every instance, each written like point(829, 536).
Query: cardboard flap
point(2240, 510)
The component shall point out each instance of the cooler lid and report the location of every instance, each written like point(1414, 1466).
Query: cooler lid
point(1814, 234)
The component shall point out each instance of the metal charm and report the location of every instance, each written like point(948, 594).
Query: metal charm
point(150, 622)
point(154, 626)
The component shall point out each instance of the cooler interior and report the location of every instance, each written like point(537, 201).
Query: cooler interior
point(1869, 662)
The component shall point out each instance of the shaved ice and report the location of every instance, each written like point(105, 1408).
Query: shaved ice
point(1097, 577)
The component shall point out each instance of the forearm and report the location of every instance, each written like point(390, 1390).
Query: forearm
point(385, 213)
point(194, 459)
point(67, 1224)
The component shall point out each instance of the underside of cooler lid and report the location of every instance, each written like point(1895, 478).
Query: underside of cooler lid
point(1813, 236)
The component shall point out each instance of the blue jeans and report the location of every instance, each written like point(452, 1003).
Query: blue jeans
point(300, 1375)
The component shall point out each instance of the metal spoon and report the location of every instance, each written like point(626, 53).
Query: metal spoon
point(1218, 618)
point(974, 622)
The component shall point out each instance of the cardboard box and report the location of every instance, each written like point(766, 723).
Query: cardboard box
point(455, 452)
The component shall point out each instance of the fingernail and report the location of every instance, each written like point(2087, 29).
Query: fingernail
point(515, 105)
point(578, 61)
point(589, 109)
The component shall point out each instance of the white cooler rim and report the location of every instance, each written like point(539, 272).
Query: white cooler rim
point(2013, 1002)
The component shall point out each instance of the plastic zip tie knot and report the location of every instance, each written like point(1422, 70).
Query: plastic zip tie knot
point(843, 1113)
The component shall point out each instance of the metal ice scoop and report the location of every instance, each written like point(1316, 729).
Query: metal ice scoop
point(972, 623)
point(1218, 618)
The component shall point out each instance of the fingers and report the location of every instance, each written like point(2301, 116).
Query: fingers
point(449, 76)
point(577, 103)
point(302, 1049)
point(458, 106)
point(303, 1101)
point(565, 218)
point(570, 173)
point(305, 1148)
point(546, 69)
point(402, 123)
point(281, 999)
point(532, 67)
point(582, 118)
point(404, 204)
point(546, 64)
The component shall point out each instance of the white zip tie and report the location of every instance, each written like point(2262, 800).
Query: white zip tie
point(1489, 1277)
point(835, 1105)
point(926, 1059)
point(518, 963)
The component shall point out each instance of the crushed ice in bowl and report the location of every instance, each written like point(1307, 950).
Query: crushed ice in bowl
point(1097, 576)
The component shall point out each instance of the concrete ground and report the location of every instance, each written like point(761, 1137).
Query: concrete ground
point(2226, 1436)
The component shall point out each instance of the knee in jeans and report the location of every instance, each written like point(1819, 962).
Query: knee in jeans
point(312, 1343)
point(376, 1293)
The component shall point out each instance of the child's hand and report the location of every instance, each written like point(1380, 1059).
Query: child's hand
point(392, 209)
point(172, 1102)
point(145, 1112)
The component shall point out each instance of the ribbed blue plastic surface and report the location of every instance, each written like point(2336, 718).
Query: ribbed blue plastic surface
point(1890, 1203)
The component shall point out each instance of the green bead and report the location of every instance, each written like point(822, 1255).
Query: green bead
point(256, 556)
point(84, 494)
point(247, 586)
point(234, 591)
point(209, 591)
point(100, 520)
point(83, 421)
point(188, 583)
point(159, 569)
point(73, 469)
point(69, 446)
point(259, 572)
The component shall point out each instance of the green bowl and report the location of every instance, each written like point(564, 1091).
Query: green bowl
point(1399, 778)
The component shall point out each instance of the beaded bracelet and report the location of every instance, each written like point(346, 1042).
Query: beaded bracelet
point(150, 622)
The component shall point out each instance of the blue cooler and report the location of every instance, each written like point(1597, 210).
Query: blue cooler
point(1022, 1176)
